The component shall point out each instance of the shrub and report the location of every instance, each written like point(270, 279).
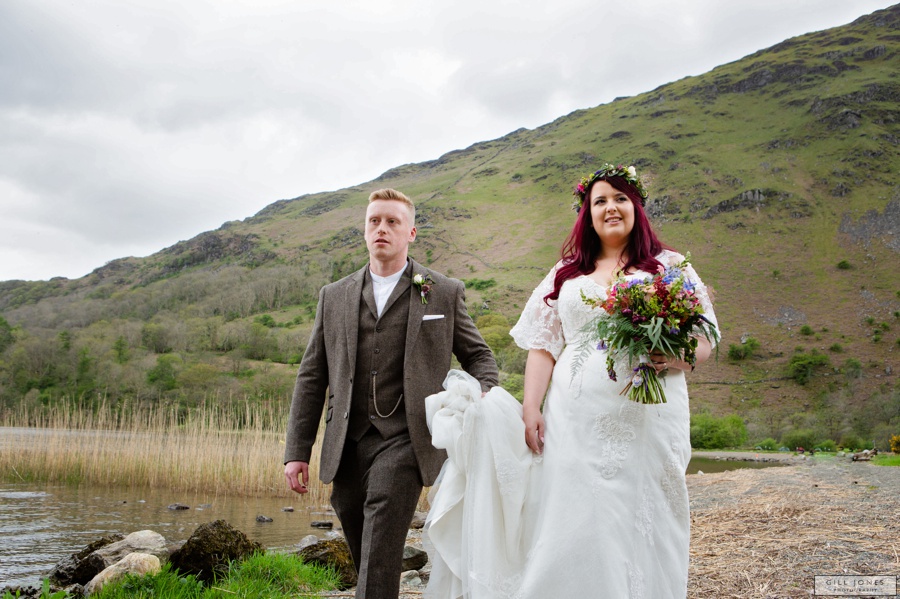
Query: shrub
point(768, 444)
point(844, 265)
point(895, 443)
point(836, 348)
point(852, 368)
point(826, 445)
point(709, 432)
point(801, 437)
point(479, 284)
point(806, 330)
point(850, 442)
point(746, 349)
point(802, 366)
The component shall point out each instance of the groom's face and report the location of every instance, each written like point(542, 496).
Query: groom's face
point(389, 230)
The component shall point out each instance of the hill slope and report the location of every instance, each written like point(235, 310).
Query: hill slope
point(778, 172)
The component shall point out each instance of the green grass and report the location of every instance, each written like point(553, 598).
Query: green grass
point(886, 460)
point(270, 575)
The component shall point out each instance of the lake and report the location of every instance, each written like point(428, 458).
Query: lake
point(41, 524)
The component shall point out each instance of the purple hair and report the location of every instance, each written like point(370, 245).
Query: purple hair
point(582, 246)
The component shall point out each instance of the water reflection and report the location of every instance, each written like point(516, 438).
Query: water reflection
point(41, 524)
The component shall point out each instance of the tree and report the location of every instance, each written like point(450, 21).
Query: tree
point(6, 335)
point(120, 349)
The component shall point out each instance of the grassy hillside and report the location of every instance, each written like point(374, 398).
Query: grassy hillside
point(778, 172)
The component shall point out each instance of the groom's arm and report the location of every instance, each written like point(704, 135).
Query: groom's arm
point(469, 347)
point(309, 393)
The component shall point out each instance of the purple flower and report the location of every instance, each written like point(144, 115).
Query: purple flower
point(612, 375)
point(688, 285)
point(602, 346)
point(673, 331)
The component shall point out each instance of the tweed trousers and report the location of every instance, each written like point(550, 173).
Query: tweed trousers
point(374, 495)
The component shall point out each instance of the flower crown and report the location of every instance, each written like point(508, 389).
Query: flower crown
point(629, 173)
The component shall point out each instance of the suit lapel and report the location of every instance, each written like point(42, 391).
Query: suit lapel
point(416, 310)
point(353, 293)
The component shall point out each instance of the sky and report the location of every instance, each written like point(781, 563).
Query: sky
point(127, 126)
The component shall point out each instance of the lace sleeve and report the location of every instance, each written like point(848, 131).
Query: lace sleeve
point(539, 326)
point(669, 258)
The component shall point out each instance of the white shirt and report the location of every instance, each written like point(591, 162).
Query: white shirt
point(382, 287)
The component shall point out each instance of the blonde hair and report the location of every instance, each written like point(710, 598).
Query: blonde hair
point(393, 194)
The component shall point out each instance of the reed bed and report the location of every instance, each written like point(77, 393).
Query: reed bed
point(214, 449)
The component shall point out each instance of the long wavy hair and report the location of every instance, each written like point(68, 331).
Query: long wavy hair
point(582, 247)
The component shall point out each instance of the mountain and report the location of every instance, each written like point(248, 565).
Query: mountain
point(778, 172)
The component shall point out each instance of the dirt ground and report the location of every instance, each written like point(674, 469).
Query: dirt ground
point(765, 533)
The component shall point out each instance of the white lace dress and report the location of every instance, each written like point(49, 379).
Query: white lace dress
point(604, 513)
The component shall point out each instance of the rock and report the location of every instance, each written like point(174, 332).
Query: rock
point(262, 518)
point(334, 553)
point(287, 509)
point(73, 569)
point(207, 552)
point(418, 521)
point(413, 558)
point(307, 541)
point(179, 506)
point(133, 563)
point(410, 578)
point(143, 541)
point(321, 524)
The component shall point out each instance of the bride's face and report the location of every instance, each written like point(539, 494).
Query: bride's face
point(612, 213)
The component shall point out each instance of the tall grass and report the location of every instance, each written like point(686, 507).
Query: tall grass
point(214, 449)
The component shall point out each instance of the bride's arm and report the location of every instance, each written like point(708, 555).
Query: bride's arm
point(538, 369)
point(662, 362)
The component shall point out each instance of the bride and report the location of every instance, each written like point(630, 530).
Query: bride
point(594, 502)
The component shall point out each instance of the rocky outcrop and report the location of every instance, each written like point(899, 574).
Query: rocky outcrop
point(207, 552)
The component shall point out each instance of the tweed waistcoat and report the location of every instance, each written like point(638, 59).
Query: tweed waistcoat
point(377, 398)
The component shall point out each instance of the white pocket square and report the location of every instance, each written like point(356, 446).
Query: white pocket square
point(432, 317)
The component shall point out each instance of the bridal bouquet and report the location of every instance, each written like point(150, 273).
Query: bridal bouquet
point(660, 312)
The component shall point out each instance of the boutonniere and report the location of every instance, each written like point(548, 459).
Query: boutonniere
point(423, 283)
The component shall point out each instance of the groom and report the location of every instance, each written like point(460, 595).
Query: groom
point(381, 343)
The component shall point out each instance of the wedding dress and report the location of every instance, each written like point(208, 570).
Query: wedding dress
point(603, 513)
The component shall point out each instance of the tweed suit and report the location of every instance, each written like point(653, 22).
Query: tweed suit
point(329, 378)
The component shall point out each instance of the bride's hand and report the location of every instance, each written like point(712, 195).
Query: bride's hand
point(534, 430)
point(660, 361)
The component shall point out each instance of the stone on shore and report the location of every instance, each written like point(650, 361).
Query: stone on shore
point(76, 569)
point(133, 563)
point(142, 541)
point(334, 553)
point(413, 558)
point(208, 551)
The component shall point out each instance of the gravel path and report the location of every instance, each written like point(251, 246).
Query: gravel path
point(765, 533)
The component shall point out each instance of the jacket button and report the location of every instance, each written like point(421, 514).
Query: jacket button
point(371, 418)
point(374, 372)
point(345, 414)
point(377, 351)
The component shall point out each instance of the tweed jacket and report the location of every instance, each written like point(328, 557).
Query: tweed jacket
point(325, 378)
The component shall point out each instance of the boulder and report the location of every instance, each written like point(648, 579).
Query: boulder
point(142, 541)
point(76, 569)
point(307, 541)
point(208, 551)
point(133, 563)
point(413, 558)
point(418, 521)
point(334, 553)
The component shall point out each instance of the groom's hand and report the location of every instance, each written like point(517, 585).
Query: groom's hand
point(292, 470)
